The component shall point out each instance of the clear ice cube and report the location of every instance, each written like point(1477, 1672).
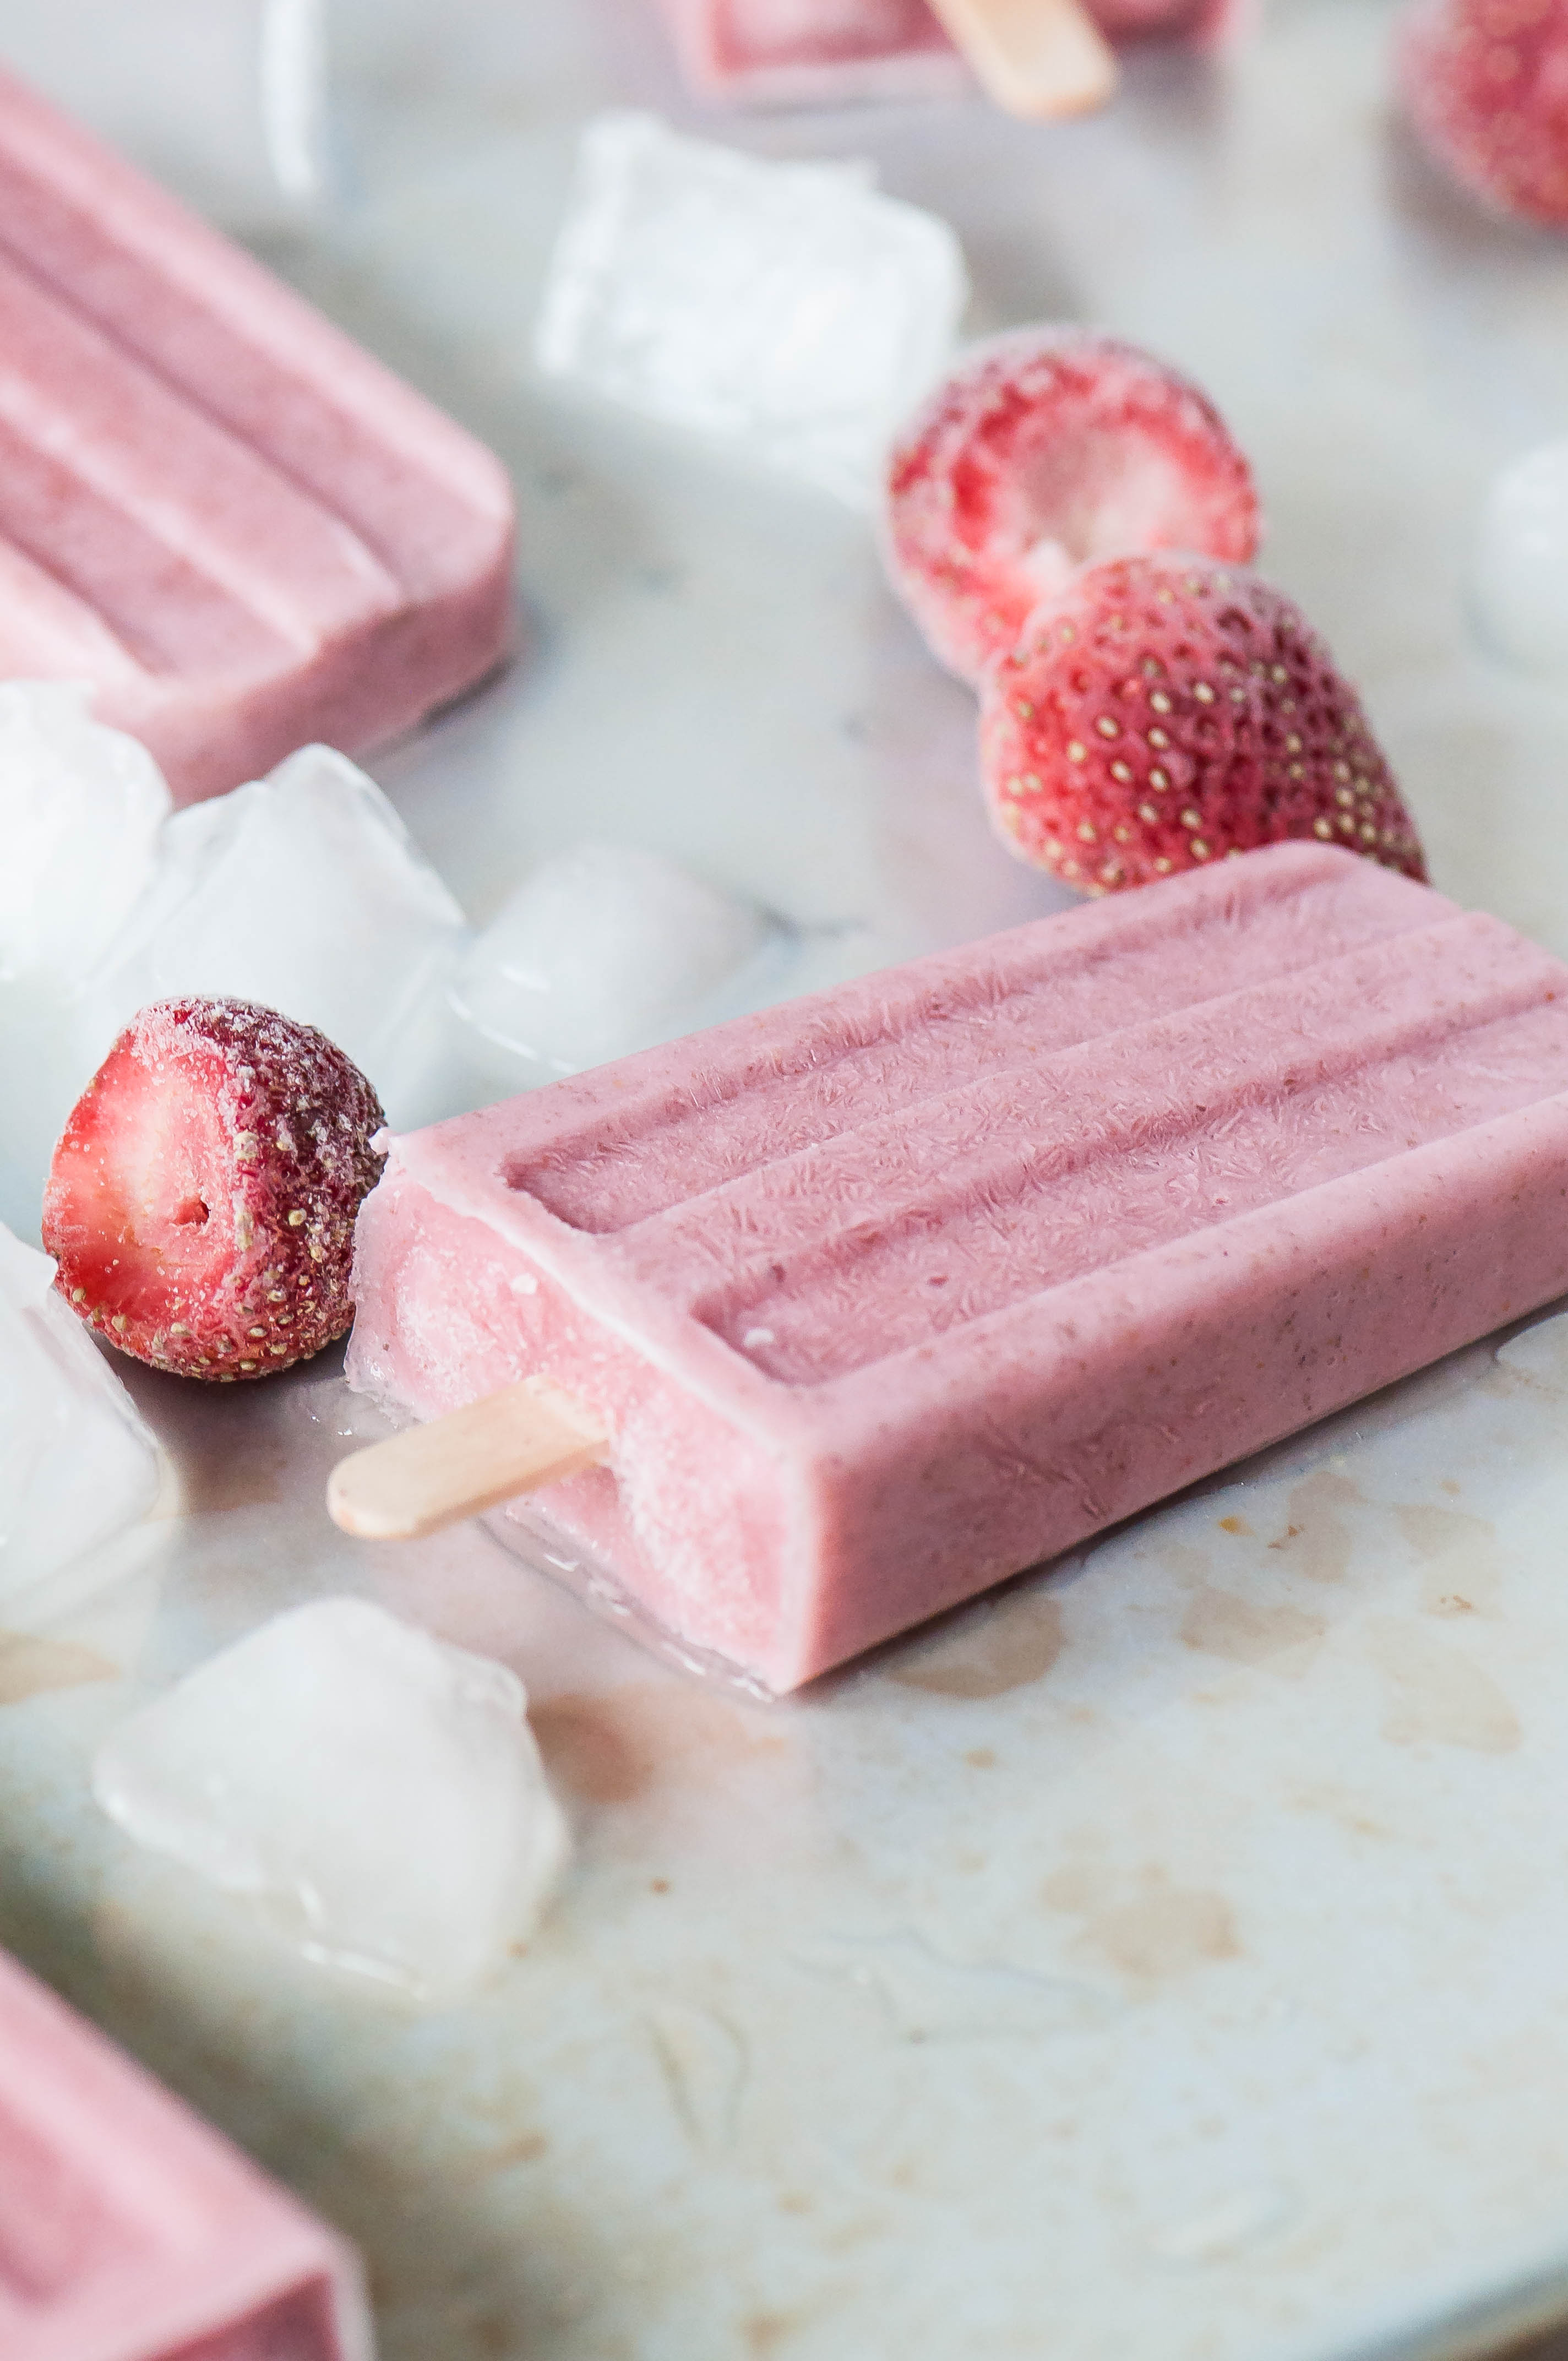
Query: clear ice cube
point(81, 808)
point(786, 307)
point(303, 891)
point(78, 1469)
point(1519, 573)
point(606, 949)
point(378, 1793)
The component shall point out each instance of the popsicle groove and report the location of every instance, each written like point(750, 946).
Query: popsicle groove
point(1277, 1199)
point(1075, 1182)
point(164, 290)
point(48, 624)
point(781, 1084)
point(77, 398)
point(267, 537)
point(101, 559)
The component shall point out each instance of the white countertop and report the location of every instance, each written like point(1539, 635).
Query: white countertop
point(1165, 1961)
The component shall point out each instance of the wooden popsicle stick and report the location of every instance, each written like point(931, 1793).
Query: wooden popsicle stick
point(1038, 59)
point(527, 1435)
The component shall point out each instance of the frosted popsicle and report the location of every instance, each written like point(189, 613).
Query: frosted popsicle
point(130, 2231)
point(213, 507)
point(886, 1294)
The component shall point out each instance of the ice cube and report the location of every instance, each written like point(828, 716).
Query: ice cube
point(606, 949)
point(1519, 574)
point(78, 1468)
point(786, 307)
point(225, 100)
point(80, 808)
point(378, 1793)
point(303, 891)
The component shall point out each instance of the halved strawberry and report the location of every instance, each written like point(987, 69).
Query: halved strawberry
point(1050, 448)
point(201, 1202)
point(1167, 711)
point(1487, 85)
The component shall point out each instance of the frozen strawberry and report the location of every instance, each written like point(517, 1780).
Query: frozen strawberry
point(1167, 711)
point(202, 1199)
point(1048, 449)
point(1487, 85)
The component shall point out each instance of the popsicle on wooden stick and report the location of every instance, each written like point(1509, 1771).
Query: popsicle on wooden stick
point(887, 1295)
point(814, 52)
point(131, 2232)
point(1038, 59)
point(523, 1439)
point(240, 528)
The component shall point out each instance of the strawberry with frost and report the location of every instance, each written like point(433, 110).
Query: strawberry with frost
point(1047, 449)
point(1167, 711)
point(201, 1202)
point(1487, 85)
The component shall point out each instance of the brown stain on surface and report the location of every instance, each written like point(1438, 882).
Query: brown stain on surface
point(1461, 1570)
point(1436, 1694)
point(1006, 1648)
point(217, 1479)
point(765, 2330)
point(1163, 1929)
point(616, 1746)
point(1235, 1525)
point(767, 2333)
point(1251, 1631)
point(525, 2150)
point(31, 1667)
point(1317, 1540)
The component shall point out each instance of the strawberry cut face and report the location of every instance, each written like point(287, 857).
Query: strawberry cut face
point(156, 1201)
point(202, 1199)
point(1047, 450)
point(1485, 83)
point(1102, 491)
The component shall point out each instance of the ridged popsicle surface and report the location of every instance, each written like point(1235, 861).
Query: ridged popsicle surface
point(982, 1253)
point(241, 529)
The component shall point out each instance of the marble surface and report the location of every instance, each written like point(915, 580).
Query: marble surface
point(1162, 1960)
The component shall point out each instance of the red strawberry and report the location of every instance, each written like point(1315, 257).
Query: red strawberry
point(1168, 710)
point(202, 1199)
point(1048, 449)
point(1487, 85)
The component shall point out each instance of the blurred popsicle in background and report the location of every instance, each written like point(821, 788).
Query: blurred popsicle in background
point(1036, 57)
point(131, 2232)
point(216, 510)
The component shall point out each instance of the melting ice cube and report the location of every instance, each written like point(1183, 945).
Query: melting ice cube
point(77, 1466)
point(604, 948)
point(1518, 576)
point(225, 100)
point(788, 307)
point(378, 1791)
point(80, 808)
point(303, 891)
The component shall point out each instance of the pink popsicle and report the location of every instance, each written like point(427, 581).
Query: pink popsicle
point(131, 2232)
point(836, 52)
point(814, 52)
point(889, 1293)
point(216, 508)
